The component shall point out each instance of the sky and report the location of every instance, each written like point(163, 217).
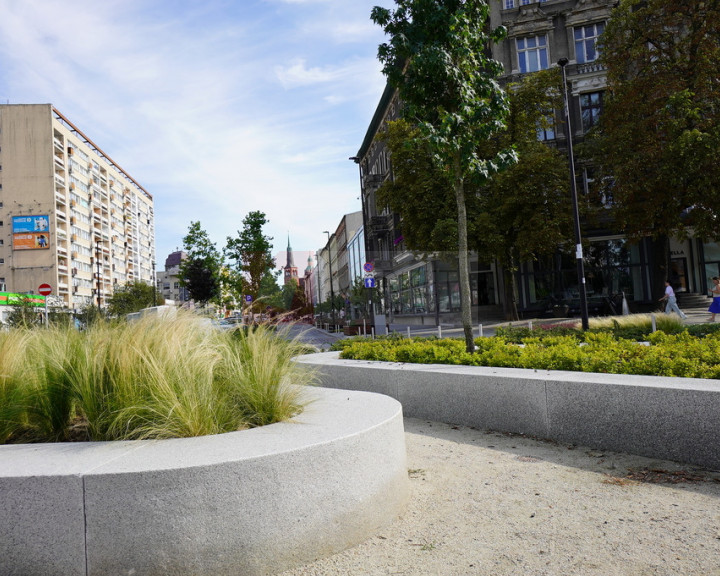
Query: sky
point(216, 107)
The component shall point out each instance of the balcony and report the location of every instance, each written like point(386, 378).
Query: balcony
point(59, 181)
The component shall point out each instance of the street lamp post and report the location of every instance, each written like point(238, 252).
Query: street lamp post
point(573, 190)
point(332, 293)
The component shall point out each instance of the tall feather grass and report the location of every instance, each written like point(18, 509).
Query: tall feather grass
point(155, 378)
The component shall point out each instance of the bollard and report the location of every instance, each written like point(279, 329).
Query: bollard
point(439, 331)
point(652, 321)
point(364, 328)
point(480, 331)
point(408, 331)
point(372, 330)
point(530, 325)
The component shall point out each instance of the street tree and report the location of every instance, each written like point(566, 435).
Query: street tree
point(251, 253)
point(436, 57)
point(658, 135)
point(201, 272)
point(519, 214)
point(133, 297)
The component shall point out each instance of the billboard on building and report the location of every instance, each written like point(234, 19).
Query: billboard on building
point(12, 299)
point(31, 232)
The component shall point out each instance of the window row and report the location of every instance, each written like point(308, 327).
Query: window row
point(532, 51)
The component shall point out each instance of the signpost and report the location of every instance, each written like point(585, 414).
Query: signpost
point(368, 267)
point(369, 282)
point(45, 290)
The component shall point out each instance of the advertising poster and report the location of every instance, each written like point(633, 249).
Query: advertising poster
point(12, 299)
point(31, 232)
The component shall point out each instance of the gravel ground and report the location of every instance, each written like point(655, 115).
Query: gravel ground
point(497, 504)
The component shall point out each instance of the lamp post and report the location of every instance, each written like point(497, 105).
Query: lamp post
point(332, 293)
point(573, 190)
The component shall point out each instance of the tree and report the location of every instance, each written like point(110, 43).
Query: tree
point(133, 297)
point(658, 136)
point(437, 59)
point(517, 215)
point(251, 253)
point(25, 314)
point(200, 273)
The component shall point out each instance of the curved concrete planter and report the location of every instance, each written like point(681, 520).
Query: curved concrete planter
point(251, 502)
point(655, 416)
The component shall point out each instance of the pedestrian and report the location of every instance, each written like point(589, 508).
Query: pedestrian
point(715, 292)
point(671, 301)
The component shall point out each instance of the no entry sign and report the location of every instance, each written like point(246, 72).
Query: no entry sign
point(45, 289)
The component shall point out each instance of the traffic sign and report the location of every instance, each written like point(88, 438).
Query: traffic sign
point(45, 289)
point(368, 266)
point(248, 298)
point(369, 282)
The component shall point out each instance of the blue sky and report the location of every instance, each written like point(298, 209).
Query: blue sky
point(217, 107)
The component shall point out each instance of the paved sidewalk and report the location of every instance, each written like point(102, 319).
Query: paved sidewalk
point(491, 504)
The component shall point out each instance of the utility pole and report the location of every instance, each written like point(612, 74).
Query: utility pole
point(576, 214)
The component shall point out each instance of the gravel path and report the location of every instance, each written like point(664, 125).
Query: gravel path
point(496, 504)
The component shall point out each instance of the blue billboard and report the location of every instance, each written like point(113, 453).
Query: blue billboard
point(25, 224)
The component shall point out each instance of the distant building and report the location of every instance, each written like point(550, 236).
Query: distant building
point(70, 216)
point(290, 271)
point(168, 280)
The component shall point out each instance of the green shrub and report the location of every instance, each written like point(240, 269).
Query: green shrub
point(681, 354)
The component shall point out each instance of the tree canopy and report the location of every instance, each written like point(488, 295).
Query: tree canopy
point(436, 57)
point(201, 272)
point(251, 252)
point(659, 132)
point(133, 297)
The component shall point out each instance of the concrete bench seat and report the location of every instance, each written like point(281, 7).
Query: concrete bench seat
point(659, 417)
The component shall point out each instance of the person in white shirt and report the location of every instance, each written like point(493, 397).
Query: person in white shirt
point(671, 301)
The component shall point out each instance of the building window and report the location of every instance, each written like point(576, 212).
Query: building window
point(546, 129)
point(591, 107)
point(586, 38)
point(532, 53)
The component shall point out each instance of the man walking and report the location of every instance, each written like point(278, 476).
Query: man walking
point(671, 301)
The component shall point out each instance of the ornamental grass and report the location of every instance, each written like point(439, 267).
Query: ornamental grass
point(154, 378)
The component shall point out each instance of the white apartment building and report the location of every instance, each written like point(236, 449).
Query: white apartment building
point(70, 216)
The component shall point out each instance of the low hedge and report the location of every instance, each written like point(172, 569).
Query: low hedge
point(683, 354)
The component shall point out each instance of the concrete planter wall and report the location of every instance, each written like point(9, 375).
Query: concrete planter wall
point(670, 418)
point(250, 502)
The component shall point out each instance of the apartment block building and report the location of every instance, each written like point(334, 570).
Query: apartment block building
point(70, 216)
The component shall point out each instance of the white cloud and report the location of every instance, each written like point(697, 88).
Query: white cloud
point(217, 108)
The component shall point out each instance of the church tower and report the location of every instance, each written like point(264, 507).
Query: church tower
point(290, 271)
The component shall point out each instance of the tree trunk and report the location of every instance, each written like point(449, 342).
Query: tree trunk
point(510, 291)
point(659, 266)
point(463, 258)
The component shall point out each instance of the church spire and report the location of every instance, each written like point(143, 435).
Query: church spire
point(290, 260)
point(291, 272)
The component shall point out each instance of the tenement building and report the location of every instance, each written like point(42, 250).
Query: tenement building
point(426, 291)
point(70, 216)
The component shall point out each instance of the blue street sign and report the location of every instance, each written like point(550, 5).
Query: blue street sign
point(248, 298)
point(369, 282)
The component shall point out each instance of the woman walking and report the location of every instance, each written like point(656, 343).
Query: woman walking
point(715, 292)
point(671, 301)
